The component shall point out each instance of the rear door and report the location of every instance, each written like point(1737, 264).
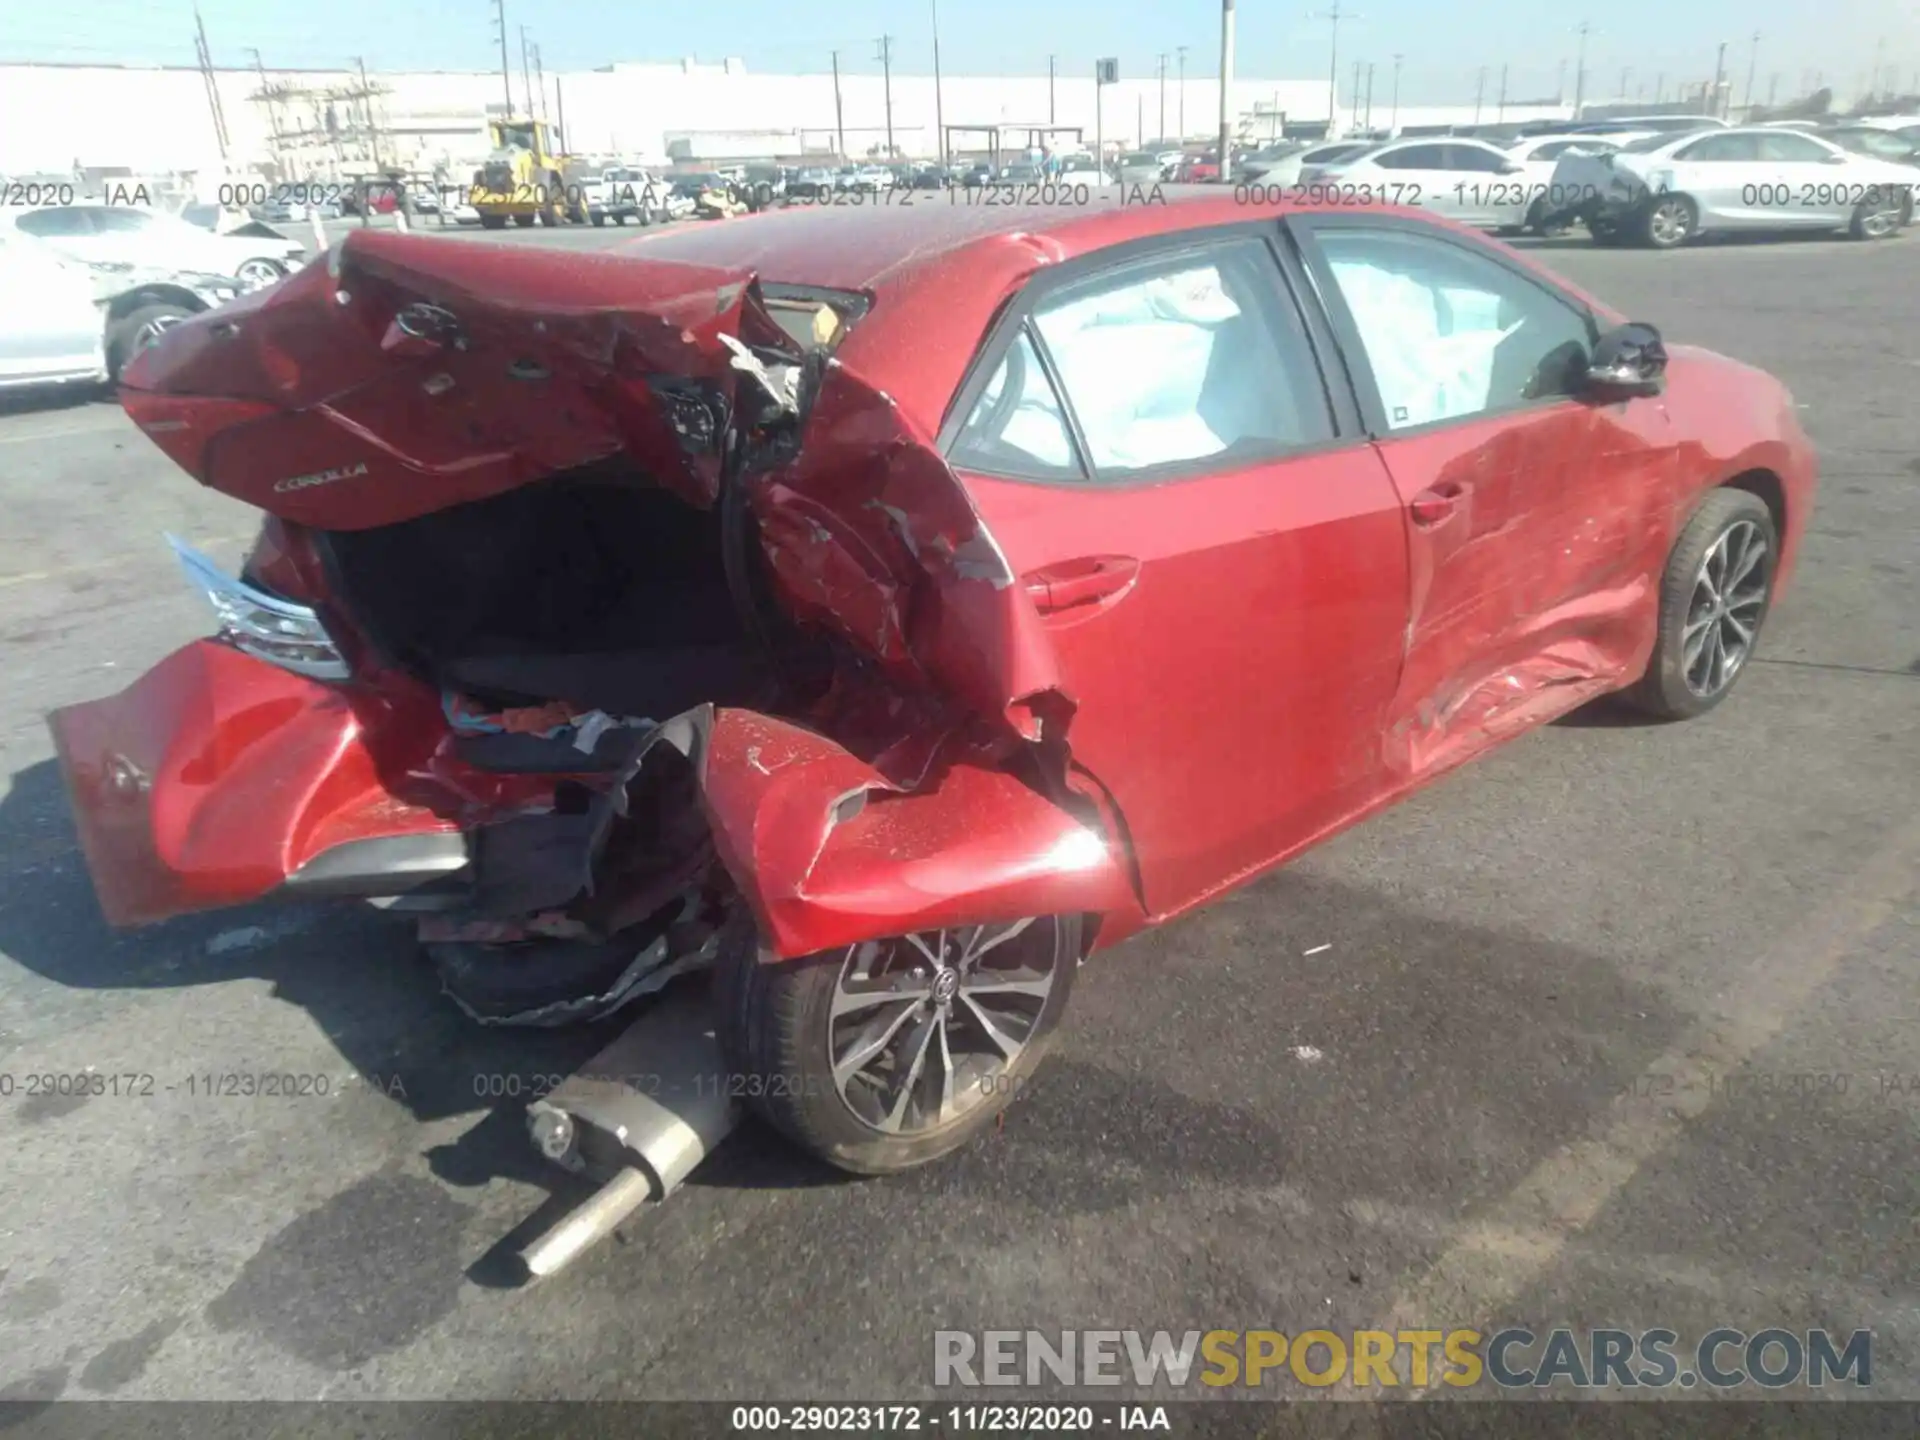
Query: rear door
point(1726, 180)
point(1535, 520)
point(1418, 175)
point(1214, 548)
point(1816, 177)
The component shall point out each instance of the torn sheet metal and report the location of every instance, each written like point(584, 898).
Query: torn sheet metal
point(408, 375)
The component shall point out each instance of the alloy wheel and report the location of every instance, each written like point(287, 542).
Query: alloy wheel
point(149, 334)
point(256, 274)
point(1878, 224)
point(923, 1028)
point(1723, 614)
point(1669, 222)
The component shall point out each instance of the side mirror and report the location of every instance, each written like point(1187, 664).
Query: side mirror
point(1511, 167)
point(1628, 361)
point(1839, 158)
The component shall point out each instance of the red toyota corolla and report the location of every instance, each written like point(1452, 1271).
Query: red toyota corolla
point(885, 608)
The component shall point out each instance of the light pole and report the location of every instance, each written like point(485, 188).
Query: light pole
point(1395, 126)
point(939, 107)
point(885, 57)
point(1753, 61)
point(1500, 115)
point(1580, 69)
point(1180, 51)
point(1334, 16)
point(1163, 95)
point(1226, 84)
point(1719, 78)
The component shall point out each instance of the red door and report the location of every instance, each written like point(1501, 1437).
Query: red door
point(1224, 581)
point(1536, 520)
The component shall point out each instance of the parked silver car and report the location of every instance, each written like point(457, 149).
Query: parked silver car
point(1666, 189)
point(70, 321)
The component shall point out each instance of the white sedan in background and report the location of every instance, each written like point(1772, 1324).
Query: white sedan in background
point(1539, 155)
point(65, 321)
point(1467, 180)
point(1666, 189)
point(129, 235)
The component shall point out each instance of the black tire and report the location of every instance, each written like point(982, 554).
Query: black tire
point(1867, 222)
point(1606, 233)
point(493, 222)
point(1665, 691)
point(1681, 219)
point(599, 220)
point(134, 331)
point(774, 1028)
point(525, 222)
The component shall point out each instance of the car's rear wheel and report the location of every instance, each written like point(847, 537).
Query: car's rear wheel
point(880, 1056)
point(137, 329)
point(1878, 216)
point(259, 272)
point(1669, 222)
point(1714, 597)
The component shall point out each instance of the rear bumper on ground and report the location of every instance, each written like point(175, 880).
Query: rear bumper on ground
point(216, 779)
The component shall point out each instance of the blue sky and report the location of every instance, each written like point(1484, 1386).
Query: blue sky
point(1443, 44)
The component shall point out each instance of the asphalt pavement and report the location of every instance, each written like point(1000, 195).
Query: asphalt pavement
point(1616, 1027)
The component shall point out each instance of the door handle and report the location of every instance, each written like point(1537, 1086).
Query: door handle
point(1430, 507)
point(1086, 581)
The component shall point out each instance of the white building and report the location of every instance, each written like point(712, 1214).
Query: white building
point(153, 120)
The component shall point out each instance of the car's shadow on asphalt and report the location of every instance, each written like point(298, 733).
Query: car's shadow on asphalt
point(74, 399)
point(355, 970)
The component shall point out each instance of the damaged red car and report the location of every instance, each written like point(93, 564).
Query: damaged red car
point(883, 610)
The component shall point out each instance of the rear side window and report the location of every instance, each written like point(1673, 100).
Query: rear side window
point(1721, 147)
point(1176, 363)
point(58, 223)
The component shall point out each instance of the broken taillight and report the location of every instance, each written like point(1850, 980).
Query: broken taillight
point(263, 625)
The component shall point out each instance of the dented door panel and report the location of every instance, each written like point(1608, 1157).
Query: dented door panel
point(1230, 698)
point(1533, 584)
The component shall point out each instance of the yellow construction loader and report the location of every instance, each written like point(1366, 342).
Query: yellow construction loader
point(525, 179)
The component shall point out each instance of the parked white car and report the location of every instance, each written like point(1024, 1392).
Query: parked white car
point(66, 321)
point(621, 193)
point(1286, 169)
point(1466, 180)
point(1539, 155)
point(1666, 189)
point(130, 235)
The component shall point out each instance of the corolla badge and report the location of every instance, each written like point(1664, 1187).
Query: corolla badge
point(320, 477)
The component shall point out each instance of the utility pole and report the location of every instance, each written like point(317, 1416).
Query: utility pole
point(1479, 94)
point(1226, 87)
point(1626, 74)
point(1560, 85)
point(839, 125)
point(1181, 52)
point(1163, 95)
point(1773, 87)
point(540, 80)
point(366, 99)
point(939, 105)
point(1358, 68)
point(506, 71)
point(1719, 78)
point(526, 73)
point(885, 58)
point(1369, 94)
point(273, 110)
point(1050, 114)
point(1333, 17)
point(1500, 115)
point(1659, 86)
point(1395, 126)
point(1580, 69)
point(1753, 60)
point(213, 86)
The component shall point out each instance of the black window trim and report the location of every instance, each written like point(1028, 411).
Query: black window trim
point(1101, 266)
point(1303, 231)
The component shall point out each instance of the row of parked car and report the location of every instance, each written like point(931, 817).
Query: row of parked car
point(1659, 181)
